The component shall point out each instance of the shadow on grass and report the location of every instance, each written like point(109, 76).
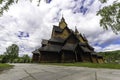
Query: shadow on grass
point(4, 66)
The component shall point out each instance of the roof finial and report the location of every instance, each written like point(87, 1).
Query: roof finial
point(76, 31)
point(85, 37)
point(62, 23)
point(62, 18)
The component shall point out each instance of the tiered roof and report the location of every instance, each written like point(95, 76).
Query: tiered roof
point(64, 41)
point(51, 48)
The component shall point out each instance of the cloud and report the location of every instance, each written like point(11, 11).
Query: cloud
point(22, 34)
point(112, 47)
point(26, 24)
point(82, 6)
point(48, 1)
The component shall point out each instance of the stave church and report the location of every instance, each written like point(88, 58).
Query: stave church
point(65, 45)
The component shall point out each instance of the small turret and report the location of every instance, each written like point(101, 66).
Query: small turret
point(76, 31)
point(62, 20)
point(85, 38)
point(62, 23)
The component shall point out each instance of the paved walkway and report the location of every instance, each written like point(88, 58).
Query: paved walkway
point(49, 72)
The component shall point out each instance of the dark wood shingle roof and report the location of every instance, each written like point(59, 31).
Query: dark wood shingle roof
point(85, 49)
point(69, 47)
point(82, 44)
point(59, 40)
point(44, 41)
point(51, 48)
point(57, 29)
point(36, 52)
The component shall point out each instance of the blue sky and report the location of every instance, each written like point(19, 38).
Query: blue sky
point(26, 24)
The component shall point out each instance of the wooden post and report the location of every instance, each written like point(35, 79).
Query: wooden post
point(91, 58)
point(39, 57)
point(76, 58)
point(63, 57)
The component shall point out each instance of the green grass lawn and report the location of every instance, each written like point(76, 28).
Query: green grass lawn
point(5, 66)
point(90, 65)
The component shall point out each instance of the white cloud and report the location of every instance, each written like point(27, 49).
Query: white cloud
point(98, 48)
point(112, 47)
point(38, 21)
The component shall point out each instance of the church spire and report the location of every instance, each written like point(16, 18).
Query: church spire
point(85, 37)
point(62, 23)
point(62, 19)
point(76, 31)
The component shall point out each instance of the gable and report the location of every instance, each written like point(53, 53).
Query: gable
point(81, 38)
point(72, 39)
point(62, 25)
point(61, 34)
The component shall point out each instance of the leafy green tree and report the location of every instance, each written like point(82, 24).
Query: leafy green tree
point(111, 56)
point(11, 53)
point(26, 58)
point(1, 58)
point(7, 3)
point(110, 16)
point(103, 1)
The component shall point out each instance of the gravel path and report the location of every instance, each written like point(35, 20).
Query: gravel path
point(49, 72)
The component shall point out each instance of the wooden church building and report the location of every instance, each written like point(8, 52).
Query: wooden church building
point(66, 45)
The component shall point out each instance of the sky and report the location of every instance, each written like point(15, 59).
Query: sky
point(26, 24)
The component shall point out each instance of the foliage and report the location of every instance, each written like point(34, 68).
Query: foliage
point(10, 54)
point(1, 58)
point(90, 65)
point(103, 1)
point(111, 56)
point(26, 59)
point(7, 3)
point(23, 59)
point(110, 17)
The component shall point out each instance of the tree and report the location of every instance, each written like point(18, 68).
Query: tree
point(1, 58)
point(7, 3)
point(26, 58)
point(103, 1)
point(11, 53)
point(110, 17)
